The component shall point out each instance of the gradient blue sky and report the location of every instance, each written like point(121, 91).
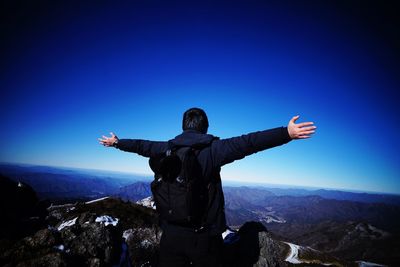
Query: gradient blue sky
point(72, 71)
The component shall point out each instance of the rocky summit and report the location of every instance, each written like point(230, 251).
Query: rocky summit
point(112, 232)
point(109, 232)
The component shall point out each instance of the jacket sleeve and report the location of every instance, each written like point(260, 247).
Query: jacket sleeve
point(144, 148)
point(225, 151)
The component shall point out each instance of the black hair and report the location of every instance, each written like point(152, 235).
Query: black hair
point(195, 119)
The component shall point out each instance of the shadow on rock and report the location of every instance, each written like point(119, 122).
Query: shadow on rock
point(251, 246)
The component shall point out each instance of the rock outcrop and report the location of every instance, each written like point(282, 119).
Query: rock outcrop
point(87, 235)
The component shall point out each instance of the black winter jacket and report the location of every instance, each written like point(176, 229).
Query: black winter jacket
point(212, 158)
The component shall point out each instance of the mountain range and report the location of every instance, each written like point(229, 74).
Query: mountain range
point(345, 226)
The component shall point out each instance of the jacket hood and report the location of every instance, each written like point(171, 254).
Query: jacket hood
point(191, 137)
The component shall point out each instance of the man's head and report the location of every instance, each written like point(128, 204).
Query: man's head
point(195, 119)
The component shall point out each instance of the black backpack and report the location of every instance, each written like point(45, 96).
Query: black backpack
point(179, 188)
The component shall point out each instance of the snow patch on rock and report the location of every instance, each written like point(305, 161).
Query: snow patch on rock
point(106, 220)
point(96, 200)
point(67, 224)
point(147, 202)
point(294, 254)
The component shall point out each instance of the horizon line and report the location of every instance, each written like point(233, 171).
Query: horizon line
point(226, 180)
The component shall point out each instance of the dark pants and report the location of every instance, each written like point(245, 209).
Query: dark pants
point(181, 247)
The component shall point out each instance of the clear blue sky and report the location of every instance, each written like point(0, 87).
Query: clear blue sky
point(72, 71)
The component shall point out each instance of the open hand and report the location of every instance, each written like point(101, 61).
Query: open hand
point(108, 141)
point(301, 130)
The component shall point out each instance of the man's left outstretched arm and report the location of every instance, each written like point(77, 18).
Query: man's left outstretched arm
point(228, 150)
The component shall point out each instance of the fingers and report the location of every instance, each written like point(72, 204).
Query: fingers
point(305, 129)
point(102, 141)
point(294, 119)
point(304, 124)
point(309, 128)
point(306, 133)
point(302, 130)
point(105, 141)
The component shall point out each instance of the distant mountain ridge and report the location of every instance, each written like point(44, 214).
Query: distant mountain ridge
point(59, 183)
point(65, 181)
point(134, 192)
point(338, 195)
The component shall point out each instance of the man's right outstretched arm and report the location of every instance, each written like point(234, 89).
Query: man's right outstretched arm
point(144, 148)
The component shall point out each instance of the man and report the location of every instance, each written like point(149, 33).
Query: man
point(181, 246)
